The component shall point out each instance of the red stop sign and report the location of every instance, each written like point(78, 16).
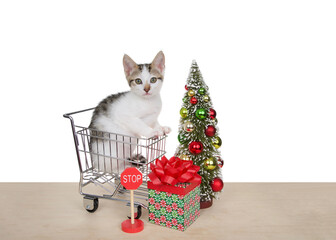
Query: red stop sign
point(131, 178)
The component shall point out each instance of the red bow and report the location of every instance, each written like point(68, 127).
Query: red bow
point(173, 171)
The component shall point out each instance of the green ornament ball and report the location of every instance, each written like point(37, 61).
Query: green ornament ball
point(182, 139)
point(201, 91)
point(185, 99)
point(201, 113)
point(184, 112)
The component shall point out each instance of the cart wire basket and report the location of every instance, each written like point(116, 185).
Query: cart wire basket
point(103, 156)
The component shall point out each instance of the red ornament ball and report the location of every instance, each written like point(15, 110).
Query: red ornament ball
point(210, 131)
point(186, 87)
point(212, 113)
point(217, 185)
point(193, 100)
point(195, 147)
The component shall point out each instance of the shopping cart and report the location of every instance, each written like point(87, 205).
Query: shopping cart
point(101, 179)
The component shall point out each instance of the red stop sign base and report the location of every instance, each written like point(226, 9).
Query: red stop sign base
point(128, 227)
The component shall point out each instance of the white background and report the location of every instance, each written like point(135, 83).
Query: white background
point(270, 67)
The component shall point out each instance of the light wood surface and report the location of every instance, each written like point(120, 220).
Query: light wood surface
point(244, 211)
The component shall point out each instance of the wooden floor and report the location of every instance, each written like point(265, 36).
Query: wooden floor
point(244, 211)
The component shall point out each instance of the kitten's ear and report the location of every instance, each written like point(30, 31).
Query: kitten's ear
point(159, 62)
point(129, 65)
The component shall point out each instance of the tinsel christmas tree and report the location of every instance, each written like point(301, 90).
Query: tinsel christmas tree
point(198, 134)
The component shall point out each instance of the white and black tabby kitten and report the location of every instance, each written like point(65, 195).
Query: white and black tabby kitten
point(133, 113)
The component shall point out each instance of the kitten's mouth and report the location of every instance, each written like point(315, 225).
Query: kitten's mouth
point(147, 94)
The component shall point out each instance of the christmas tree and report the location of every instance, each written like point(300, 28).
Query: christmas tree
point(198, 134)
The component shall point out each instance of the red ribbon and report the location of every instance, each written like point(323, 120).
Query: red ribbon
point(173, 171)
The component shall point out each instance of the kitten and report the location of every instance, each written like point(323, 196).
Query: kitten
point(132, 113)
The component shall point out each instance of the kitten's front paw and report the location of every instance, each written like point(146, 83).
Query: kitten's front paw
point(158, 132)
point(166, 130)
point(155, 133)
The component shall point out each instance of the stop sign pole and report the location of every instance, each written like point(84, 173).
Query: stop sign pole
point(131, 179)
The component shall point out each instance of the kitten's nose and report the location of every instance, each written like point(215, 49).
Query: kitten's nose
point(147, 88)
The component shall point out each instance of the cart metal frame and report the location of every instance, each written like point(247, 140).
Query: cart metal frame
point(108, 180)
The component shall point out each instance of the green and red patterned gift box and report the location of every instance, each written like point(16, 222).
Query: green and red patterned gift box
point(174, 193)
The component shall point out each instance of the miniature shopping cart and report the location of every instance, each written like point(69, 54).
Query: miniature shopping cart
point(101, 178)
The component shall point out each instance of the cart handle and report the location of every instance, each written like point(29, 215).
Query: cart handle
point(68, 115)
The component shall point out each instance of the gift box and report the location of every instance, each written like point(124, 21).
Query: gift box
point(174, 193)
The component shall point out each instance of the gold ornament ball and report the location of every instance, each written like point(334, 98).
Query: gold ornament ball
point(210, 163)
point(217, 142)
point(188, 127)
point(206, 98)
point(185, 157)
point(191, 93)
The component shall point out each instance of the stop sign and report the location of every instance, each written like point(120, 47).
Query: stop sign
point(131, 178)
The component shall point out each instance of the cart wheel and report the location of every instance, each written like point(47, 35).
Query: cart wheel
point(137, 215)
point(91, 204)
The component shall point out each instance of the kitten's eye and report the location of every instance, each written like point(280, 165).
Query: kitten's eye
point(138, 81)
point(153, 80)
